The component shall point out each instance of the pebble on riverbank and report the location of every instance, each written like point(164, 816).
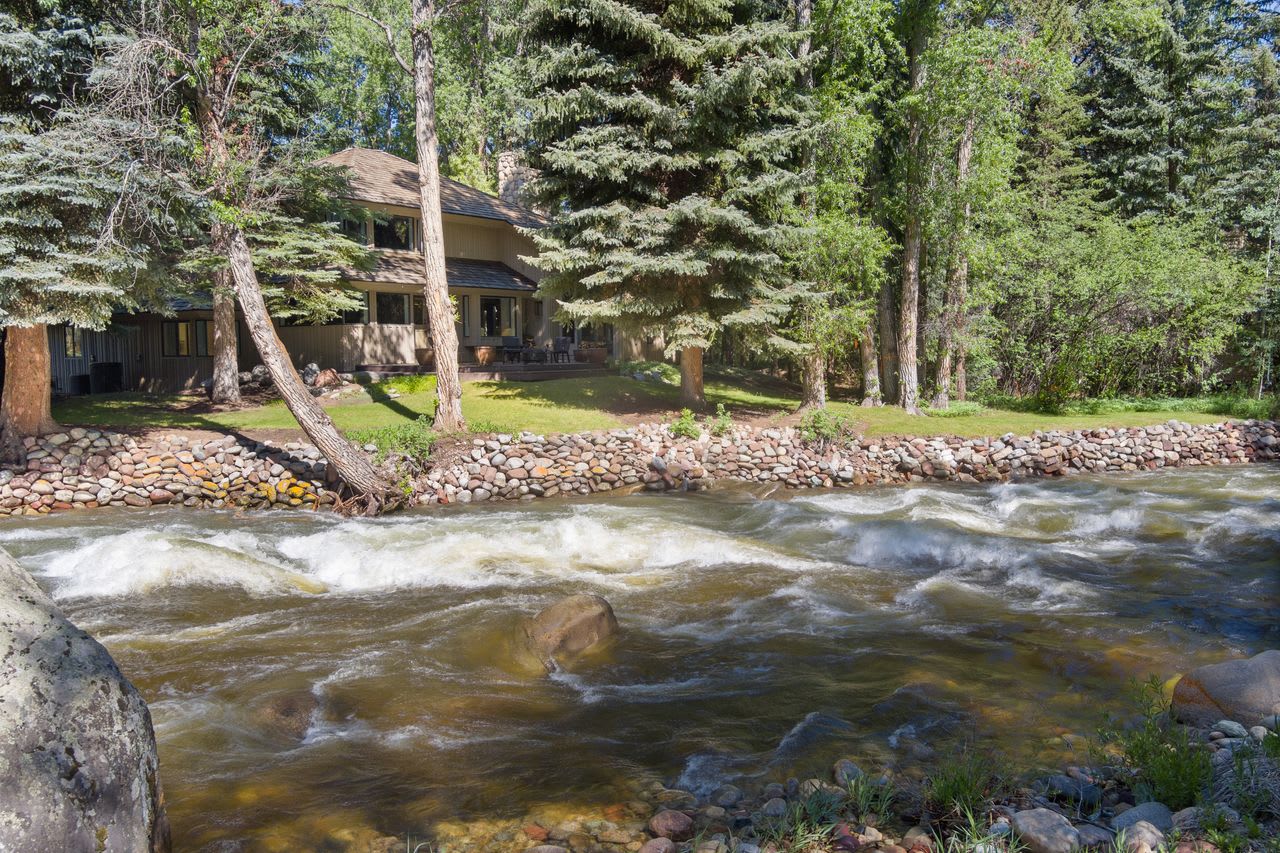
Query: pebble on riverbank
point(87, 468)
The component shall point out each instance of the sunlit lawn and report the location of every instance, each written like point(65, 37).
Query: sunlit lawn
point(567, 405)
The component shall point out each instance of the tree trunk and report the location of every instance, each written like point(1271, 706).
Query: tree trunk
point(888, 343)
point(870, 369)
point(962, 387)
point(226, 363)
point(444, 334)
point(957, 276)
point(912, 241)
point(26, 405)
point(691, 392)
point(813, 372)
point(352, 466)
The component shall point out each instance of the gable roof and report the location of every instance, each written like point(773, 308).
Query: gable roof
point(383, 178)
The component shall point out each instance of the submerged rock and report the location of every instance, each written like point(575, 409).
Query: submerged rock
point(1246, 691)
point(566, 630)
point(77, 750)
point(289, 713)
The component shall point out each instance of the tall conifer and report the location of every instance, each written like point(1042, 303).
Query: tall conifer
point(667, 135)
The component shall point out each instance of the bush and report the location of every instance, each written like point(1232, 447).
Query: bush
point(1160, 758)
point(822, 425)
point(415, 384)
point(963, 784)
point(685, 426)
point(721, 423)
point(669, 373)
point(413, 439)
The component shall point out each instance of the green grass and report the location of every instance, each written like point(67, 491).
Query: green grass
point(604, 402)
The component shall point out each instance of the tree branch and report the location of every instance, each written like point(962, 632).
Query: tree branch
point(386, 31)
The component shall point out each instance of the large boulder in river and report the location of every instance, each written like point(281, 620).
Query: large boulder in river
point(1245, 691)
point(77, 751)
point(566, 630)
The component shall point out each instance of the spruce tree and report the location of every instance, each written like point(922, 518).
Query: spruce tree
point(667, 137)
point(1160, 84)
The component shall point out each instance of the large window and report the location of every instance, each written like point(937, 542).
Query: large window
point(419, 312)
point(183, 338)
point(393, 309)
point(393, 232)
point(497, 317)
point(72, 342)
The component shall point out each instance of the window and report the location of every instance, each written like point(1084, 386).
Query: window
point(355, 230)
point(394, 232)
point(464, 315)
point(72, 342)
point(497, 317)
point(419, 312)
point(182, 338)
point(356, 316)
point(393, 309)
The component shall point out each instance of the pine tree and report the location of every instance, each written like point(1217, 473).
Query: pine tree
point(1160, 84)
point(667, 137)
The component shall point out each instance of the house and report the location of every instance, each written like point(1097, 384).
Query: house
point(495, 289)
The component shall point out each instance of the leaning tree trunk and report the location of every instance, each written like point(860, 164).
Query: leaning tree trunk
point(691, 391)
point(444, 335)
point(26, 405)
point(226, 367)
point(813, 374)
point(353, 467)
point(870, 369)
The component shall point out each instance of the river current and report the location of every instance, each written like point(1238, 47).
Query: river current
point(762, 635)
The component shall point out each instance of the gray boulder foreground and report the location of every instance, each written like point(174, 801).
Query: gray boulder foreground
point(1245, 691)
point(566, 630)
point(77, 750)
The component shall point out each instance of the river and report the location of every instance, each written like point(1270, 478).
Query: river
point(762, 635)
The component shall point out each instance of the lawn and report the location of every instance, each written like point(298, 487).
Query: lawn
point(567, 405)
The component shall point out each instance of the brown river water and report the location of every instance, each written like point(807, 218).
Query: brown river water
point(763, 635)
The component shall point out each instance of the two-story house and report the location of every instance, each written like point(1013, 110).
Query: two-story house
point(496, 293)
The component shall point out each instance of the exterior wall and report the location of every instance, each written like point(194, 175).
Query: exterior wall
point(133, 340)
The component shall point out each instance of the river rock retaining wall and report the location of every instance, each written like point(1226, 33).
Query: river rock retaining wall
point(650, 457)
point(88, 468)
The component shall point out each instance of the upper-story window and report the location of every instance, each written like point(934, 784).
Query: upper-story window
point(354, 229)
point(394, 232)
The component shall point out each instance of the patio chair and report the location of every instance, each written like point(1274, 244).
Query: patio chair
point(512, 347)
point(560, 349)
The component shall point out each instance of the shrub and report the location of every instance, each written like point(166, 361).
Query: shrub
point(721, 423)
point(962, 784)
point(413, 439)
point(415, 384)
point(822, 425)
point(808, 823)
point(685, 426)
point(669, 373)
point(1160, 757)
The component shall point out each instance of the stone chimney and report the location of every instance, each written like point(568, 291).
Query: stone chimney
point(512, 177)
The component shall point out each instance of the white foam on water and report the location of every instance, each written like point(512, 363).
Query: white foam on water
point(635, 692)
point(142, 560)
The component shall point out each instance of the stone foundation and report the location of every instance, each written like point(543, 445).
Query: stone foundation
point(88, 468)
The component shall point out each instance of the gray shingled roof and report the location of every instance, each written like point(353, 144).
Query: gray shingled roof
point(406, 268)
point(383, 178)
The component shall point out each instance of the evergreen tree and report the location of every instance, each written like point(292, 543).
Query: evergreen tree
point(667, 137)
point(1159, 77)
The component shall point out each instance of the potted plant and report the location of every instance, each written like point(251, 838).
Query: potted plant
point(486, 355)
